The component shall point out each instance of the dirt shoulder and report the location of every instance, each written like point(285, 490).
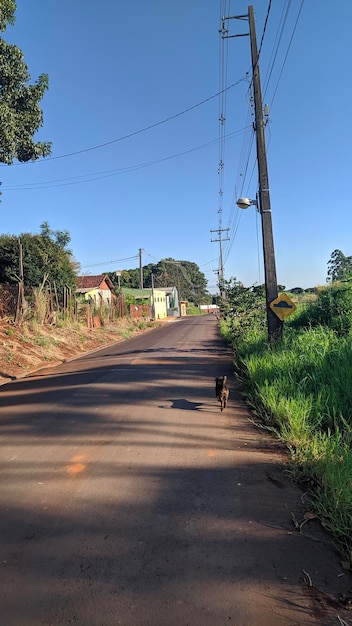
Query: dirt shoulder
point(28, 347)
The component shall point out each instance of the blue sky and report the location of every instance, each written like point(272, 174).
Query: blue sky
point(140, 80)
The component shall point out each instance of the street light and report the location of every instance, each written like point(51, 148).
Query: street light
point(245, 203)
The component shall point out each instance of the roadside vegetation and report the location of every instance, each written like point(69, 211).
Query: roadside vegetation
point(300, 388)
point(31, 346)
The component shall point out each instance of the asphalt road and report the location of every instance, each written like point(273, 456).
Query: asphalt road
point(128, 498)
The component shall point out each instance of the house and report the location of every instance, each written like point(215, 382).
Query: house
point(172, 301)
point(95, 289)
point(161, 300)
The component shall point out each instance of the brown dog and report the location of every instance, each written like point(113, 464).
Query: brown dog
point(221, 391)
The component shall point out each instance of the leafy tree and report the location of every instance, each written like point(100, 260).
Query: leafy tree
point(20, 113)
point(339, 267)
point(46, 259)
point(259, 290)
point(297, 290)
point(185, 275)
point(310, 290)
point(243, 307)
point(331, 308)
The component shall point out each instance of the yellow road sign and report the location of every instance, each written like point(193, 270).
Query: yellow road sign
point(282, 306)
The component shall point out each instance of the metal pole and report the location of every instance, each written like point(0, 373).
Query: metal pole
point(274, 323)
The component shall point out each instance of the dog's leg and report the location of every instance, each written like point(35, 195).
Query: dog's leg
point(222, 401)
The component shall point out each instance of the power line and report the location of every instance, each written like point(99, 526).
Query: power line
point(287, 51)
point(277, 42)
point(243, 172)
point(111, 262)
point(73, 180)
point(137, 132)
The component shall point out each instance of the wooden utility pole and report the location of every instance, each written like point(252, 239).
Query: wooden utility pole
point(140, 269)
point(274, 323)
point(21, 303)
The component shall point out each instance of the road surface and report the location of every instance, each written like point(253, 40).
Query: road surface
point(128, 498)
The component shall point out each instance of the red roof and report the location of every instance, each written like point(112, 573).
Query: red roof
point(93, 282)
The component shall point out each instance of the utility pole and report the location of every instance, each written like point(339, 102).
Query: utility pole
point(275, 325)
point(140, 269)
point(220, 239)
point(20, 298)
point(153, 298)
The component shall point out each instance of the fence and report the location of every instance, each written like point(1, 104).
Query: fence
point(44, 306)
point(138, 311)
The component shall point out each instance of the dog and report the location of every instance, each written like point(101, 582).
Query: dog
point(221, 391)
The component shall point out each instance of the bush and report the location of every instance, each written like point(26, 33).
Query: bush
point(332, 309)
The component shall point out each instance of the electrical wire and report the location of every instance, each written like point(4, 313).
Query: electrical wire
point(130, 258)
point(264, 29)
point(248, 141)
point(223, 72)
point(136, 132)
point(75, 180)
point(277, 42)
point(287, 51)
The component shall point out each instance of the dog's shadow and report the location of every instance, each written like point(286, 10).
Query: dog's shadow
point(185, 405)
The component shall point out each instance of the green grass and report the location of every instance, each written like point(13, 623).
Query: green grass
point(301, 389)
point(41, 341)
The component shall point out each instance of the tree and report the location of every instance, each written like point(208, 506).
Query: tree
point(46, 259)
point(243, 307)
point(339, 267)
point(20, 113)
point(185, 275)
point(297, 290)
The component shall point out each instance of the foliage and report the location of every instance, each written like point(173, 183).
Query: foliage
point(185, 275)
point(297, 290)
point(20, 113)
point(46, 259)
point(339, 267)
point(301, 389)
point(7, 13)
point(244, 307)
point(192, 309)
point(331, 308)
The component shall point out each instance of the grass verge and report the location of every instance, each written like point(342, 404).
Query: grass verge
point(301, 389)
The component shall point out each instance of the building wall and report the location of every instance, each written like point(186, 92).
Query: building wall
point(100, 296)
point(160, 310)
point(209, 308)
point(183, 308)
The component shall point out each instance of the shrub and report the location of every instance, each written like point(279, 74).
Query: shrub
point(332, 308)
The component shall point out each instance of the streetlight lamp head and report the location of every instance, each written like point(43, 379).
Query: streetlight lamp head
point(244, 203)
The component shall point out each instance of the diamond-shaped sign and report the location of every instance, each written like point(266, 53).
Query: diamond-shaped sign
point(282, 306)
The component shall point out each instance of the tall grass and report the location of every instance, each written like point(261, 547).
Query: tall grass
point(301, 388)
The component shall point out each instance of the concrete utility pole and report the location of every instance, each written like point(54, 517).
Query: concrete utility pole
point(220, 239)
point(274, 323)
